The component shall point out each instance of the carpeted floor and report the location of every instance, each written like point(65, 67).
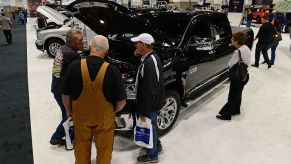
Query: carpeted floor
point(15, 131)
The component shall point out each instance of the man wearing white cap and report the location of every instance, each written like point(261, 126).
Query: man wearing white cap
point(150, 91)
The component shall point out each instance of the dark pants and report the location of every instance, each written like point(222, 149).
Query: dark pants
point(234, 98)
point(22, 20)
point(8, 36)
point(60, 131)
point(273, 52)
point(264, 49)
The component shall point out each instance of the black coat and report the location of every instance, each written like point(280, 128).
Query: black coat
point(265, 33)
point(150, 93)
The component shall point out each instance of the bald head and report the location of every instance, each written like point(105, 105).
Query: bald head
point(99, 43)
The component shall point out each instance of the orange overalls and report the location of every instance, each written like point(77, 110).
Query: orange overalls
point(94, 117)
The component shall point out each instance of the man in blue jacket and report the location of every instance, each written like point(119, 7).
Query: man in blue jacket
point(150, 91)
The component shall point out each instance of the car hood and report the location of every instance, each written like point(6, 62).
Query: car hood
point(52, 14)
point(109, 18)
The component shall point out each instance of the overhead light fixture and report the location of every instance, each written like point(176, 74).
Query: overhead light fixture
point(102, 21)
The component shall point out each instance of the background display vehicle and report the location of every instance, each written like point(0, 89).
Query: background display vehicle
point(258, 13)
point(52, 37)
point(194, 48)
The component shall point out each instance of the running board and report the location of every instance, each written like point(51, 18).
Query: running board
point(189, 103)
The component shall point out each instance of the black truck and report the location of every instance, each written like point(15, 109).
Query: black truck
point(194, 46)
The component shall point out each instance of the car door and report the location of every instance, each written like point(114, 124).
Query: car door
point(221, 31)
point(199, 53)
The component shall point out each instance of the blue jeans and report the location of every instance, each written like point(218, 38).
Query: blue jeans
point(60, 131)
point(153, 153)
point(249, 22)
point(273, 52)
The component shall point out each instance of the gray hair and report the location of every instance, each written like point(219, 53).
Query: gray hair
point(71, 35)
point(99, 43)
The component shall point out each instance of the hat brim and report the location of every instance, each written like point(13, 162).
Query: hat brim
point(135, 39)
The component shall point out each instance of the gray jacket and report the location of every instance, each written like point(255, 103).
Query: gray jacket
point(5, 23)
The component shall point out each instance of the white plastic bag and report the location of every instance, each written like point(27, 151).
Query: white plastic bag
point(143, 133)
point(69, 130)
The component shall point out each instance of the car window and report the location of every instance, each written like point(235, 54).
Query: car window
point(200, 33)
point(218, 28)
point(201, 29)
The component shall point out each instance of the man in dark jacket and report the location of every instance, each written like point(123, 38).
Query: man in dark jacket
point(265, 39)
point(64, 56)
point(150, 91)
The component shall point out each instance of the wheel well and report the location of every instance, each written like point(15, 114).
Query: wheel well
point(176, 86)
point(54, 38)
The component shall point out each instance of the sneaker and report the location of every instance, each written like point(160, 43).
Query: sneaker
point(269, 65)
point(223, 118)
point(147, 159)
point(160, 150)
point(55, 141)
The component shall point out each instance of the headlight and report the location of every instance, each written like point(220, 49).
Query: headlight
point(39, 36)
point(130, 91)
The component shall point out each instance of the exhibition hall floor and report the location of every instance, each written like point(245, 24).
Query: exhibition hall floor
point(260, 135)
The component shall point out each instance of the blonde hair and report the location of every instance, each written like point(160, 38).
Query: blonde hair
point(71, 35)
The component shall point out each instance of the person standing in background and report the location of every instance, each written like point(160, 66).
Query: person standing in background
point(249, 18)
point(264, 37)
point(21, 17)
point(6, 28)
point(13, 15)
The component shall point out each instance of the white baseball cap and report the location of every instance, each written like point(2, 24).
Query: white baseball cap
point(145, 38)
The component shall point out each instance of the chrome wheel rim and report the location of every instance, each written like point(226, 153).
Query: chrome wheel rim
point(53, 47)
point(167, 113)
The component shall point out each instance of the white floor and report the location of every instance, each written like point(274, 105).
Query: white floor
point(260, 135)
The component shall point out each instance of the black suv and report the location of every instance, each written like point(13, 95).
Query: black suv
point(194, 46)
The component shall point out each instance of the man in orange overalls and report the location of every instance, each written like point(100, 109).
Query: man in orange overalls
point(93, 91)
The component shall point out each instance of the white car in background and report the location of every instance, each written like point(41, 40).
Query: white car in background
point(52, 38)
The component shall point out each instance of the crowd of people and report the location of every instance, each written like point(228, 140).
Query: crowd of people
point(78, 83)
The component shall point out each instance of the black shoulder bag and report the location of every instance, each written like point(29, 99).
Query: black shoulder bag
point(239, 71)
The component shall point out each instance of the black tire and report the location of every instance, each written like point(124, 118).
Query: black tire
point(258, 19)
point(52, 46)
point(169, 113)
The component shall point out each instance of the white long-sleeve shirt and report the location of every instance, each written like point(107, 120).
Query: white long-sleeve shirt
point(245, 55)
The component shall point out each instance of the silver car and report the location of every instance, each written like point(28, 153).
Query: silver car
point(50, 39)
